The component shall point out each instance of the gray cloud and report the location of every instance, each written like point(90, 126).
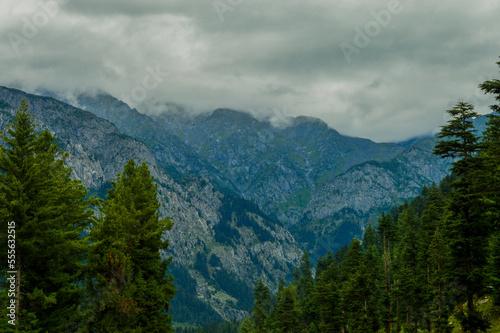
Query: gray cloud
point(261, 56)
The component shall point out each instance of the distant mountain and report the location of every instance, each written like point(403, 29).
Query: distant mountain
point(308, 175)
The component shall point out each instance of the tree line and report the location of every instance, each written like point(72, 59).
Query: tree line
point(425, 267)
point(79, 264)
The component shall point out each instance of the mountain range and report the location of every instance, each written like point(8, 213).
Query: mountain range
point(247, 196)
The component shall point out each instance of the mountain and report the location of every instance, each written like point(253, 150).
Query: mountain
point(323, 185)
point(221, 243)
point(247, 196)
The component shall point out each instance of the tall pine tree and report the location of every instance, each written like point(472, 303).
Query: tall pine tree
point(50, 214)
point(128, 285)
point(490, 155)
point(261, 308)
point(466, 228)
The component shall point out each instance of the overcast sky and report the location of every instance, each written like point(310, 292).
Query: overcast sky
point(385, 70)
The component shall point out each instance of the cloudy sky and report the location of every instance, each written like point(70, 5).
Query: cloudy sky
point(382, 69)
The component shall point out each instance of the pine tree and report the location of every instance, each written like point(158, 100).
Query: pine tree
point(246, 326)
point(305, 282)
point(127, 283)
point(490, 156)
point(370, 238)
point(431, 219)
point(494, 267)
point(327, 300)
point(50, 214)
point(358, 291)
point(386, 231)
point(305, 289)
point(261, 307)
point(324, 262)
point(438, 279)
point(466, 228)
point(287, 311)
point(406, 268)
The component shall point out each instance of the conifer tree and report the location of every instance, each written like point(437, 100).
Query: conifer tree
point(358, 291)
point(438, 279)
point(406, 268)
point(305, 282)
point(128, 285)
point(287, 311)
point(305, 289)
point(246, 326)
point(261, 307)
point(324, 262)
point(386, 231)
point(50, 213)
point(494, 267)
point(490, 156)
point(431, 219)
point(370, 238)
point(466, 228)
point(327, 299)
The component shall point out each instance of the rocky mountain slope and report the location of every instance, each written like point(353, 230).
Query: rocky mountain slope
point(324, 186)
point(221, 243)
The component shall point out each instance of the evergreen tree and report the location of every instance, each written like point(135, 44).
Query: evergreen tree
point(494, 267)
point(287, 311)
point(439, 267)
point(370, 238)
point(50, 213)
point(327, 300)
point(324, 262)
point(305, 288)
point(490, 156)
point(261, 307)
point(431, 219)
point(386, 231)
point(466, 228)
point(128, 285)
point(246, 326)
point(305, 282)
point(406, 269)
point(359, 304)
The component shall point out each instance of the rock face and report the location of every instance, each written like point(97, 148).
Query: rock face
point(242, 243)
point(308, 175)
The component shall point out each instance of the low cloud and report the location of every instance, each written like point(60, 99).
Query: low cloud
point(261, 57)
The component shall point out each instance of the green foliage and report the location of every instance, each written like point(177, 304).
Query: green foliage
point(467, 228)
point(50, 214)
point(287, 311)
point(128, 288)
point(494, 267)
point(247, 326)
point(261, 308)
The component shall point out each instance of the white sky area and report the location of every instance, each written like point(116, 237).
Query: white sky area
point(384, 70)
